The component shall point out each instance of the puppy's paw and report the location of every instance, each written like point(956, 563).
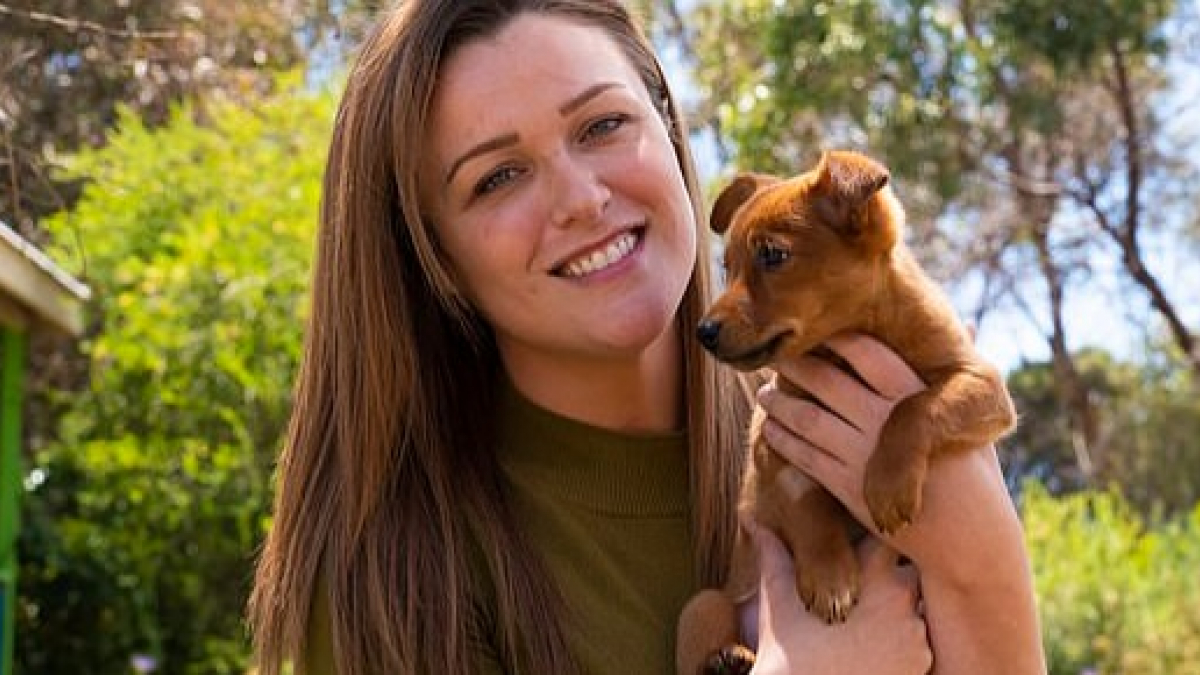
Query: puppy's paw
point(730, 660)
point(893, 495)
point(829, 591)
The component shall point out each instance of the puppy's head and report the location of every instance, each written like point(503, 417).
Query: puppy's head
point(803, 257)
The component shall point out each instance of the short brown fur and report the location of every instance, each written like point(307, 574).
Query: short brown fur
point(808, 258)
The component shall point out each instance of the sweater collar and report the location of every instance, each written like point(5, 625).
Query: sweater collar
point(619, 473)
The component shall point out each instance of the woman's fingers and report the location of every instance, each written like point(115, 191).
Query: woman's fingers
point(836, 389)
point(809, 420)
point(881, 368)
point(834, 447)
point(884, 633)
point(848, 419)
point(841, 477)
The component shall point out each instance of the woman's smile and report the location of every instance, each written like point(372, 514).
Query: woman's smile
point(605, 258)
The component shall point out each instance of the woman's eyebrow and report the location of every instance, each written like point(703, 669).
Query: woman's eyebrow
point(588, 94)
point(484, 147)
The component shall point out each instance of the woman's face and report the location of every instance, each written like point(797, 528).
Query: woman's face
point(555, 191)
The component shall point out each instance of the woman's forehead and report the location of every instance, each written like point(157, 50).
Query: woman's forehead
point(532, 55)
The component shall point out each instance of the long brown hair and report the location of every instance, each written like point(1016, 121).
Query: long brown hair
point(383, 492)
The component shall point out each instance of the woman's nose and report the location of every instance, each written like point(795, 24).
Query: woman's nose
point(579, 193)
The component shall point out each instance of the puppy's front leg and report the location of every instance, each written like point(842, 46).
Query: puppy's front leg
point(973, 410)
point(895, 473)
point(969, 408)
point(815, 527)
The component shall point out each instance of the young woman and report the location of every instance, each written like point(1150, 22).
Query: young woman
point(507, 453)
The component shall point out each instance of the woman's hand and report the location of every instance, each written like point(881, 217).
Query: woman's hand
point(966, 541)
point(884, 635)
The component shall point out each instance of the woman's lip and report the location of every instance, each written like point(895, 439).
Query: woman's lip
point(559, 269)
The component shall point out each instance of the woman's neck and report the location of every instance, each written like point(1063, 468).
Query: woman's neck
point(637, 394)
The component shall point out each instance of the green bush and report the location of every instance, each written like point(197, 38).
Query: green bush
point(143, 516)
point(1118, 593)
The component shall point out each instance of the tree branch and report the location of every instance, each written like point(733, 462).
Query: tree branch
point(1129, 240)
point(13, 176)
point(73, 25)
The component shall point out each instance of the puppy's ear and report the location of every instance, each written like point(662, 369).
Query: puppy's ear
point(850, 177)
point(846, 183)
point(735, 194)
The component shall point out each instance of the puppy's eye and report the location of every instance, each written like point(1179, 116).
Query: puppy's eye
point(770, 255)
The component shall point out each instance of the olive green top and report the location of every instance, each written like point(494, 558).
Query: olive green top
point(608, 513)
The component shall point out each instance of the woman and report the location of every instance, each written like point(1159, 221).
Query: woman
point(507, 454)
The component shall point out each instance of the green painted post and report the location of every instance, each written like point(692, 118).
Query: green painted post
point(12, 371)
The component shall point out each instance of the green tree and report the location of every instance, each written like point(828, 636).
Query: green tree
point(1151, 425)
point(1145, 444)
point(143, 517)
point(67, 65)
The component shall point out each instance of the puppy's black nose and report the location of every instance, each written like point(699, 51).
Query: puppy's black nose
point(709, 333)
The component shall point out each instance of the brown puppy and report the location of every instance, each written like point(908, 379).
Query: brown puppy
point(808, 258)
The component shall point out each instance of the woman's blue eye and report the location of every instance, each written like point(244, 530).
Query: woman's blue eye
point(605, 126)
point(495, 180)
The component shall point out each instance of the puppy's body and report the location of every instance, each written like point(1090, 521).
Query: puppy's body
point(808, 258)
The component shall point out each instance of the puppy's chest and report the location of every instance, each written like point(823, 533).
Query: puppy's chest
point(770, 477)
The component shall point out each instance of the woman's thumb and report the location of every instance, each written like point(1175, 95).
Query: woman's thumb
point(775, 565)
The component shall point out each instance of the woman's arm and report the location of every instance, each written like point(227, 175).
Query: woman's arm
point(975, 574)
point(967, 541)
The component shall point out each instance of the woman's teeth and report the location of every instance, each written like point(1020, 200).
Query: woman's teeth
point(609, 255)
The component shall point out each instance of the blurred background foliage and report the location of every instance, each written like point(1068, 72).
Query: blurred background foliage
point(1117, 590)
point(143, 512)
point(170, 154)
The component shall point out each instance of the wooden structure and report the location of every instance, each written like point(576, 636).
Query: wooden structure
point(35, 295)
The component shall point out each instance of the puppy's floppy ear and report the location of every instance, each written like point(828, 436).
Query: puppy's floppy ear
point(846, 182)
point(735, 194)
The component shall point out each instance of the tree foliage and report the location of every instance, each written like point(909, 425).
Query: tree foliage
point(68, 64)
point(142, 519)
point(1145, 447)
